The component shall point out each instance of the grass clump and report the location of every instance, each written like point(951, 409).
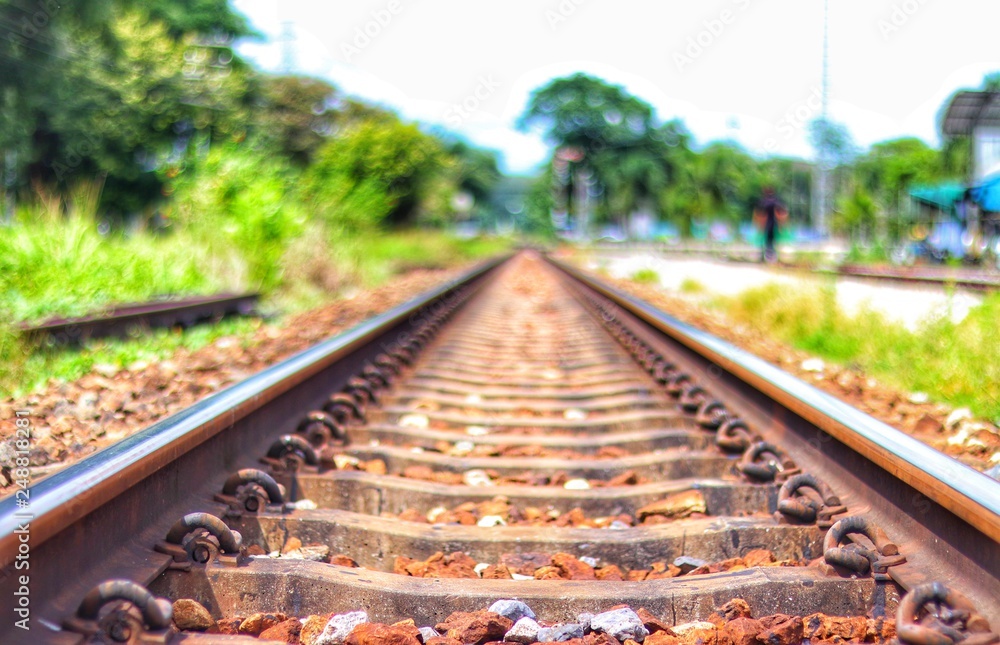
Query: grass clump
point(692, 287)
point(646, 276)
point(955, 363)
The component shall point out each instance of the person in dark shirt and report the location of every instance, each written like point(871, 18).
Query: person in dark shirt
point(770, 212)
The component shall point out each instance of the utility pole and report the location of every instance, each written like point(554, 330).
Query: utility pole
point(823, 161)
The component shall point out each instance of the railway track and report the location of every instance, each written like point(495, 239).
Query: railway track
point(129, 319)
point(524, 450)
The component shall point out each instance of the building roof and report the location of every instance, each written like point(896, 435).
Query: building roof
point(969, 109)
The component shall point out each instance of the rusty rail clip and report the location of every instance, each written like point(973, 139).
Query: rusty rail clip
point(765, 462)
point(289, 453)
point(857, 557)
point(320, 428)
point(734, 436)
point(796, 504)
point(201, 538)
point(137, 618)
point(935, 614)
point(249, 490)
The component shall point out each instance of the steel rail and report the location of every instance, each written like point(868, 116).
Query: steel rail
point(120, 319)
point(961, 531)
point(969, 493)
point(67, 496)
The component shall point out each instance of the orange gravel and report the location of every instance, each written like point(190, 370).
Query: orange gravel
point(73, 420)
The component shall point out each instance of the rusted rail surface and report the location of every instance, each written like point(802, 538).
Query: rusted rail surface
point(127, 319)
point(552, 421)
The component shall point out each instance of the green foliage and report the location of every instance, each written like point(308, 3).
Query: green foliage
point(55, 264)
point(240, 200)
point(952, 362)
point(297, 115)
point(196, 16)
point(691, 286)
point(645, 276)
point(831, 140)
point(588, 113)
point(109, 88)
point(374, 171)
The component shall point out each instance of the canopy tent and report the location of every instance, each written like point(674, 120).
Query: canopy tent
point(987, 194)
point(943, 196)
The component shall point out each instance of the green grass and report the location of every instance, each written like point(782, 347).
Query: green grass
point(54, 264)
point(67, 363)
point(953, 363)
point(645, 276)
point(692, 286)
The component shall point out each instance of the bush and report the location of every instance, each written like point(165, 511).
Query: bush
point(646, 276)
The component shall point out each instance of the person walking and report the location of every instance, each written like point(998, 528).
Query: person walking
point(768, 214)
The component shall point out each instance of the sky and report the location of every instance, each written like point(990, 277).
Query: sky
point(743, 70)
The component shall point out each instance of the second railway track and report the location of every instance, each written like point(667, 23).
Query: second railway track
point(528, 434)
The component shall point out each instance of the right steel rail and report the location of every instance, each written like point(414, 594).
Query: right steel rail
point(943, 515)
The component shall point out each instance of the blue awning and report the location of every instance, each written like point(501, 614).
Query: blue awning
point(943, 196)
point(987, 194)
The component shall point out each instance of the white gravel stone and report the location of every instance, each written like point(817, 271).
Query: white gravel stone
point(305, 505)
point(340, 626)
point(489, 521)
point(476, 431)
point(577, 484)
point(621, 624)
point(462, 448)
point(414, 420)
point(476, 478)
point(589, 560)
point(560, 632)
point(956, 417)
point(680, 630)
point(428, 633)
point(525, 630)
point(515, 610)
point(918, 398)
point(343, 461)
point(433, 514)
point(316, 553)
point(813, 365)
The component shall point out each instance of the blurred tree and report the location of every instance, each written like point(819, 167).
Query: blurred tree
point(832, 141)
point(297, 113)
point(205, 17)
point(596, 127)
point(374, 172)
point(885, 173)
